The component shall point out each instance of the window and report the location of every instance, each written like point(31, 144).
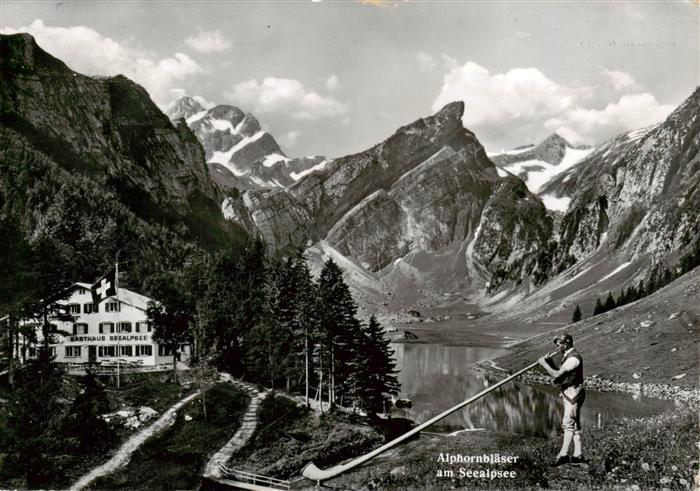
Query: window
point(143, 326)
point(127, 350)
point(80, 328)
point(125, 327)
point(91, 308)
point(164, 350)
point(108, 351)
point(32, 352)
point(112, 307)
point(74, 308)
point(72, 351)
point(106, 327)
point(82, 291)
point(144, 350)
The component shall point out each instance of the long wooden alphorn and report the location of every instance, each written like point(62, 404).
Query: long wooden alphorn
point(315, 474)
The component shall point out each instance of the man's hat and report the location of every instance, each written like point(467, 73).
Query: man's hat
point(564, 339)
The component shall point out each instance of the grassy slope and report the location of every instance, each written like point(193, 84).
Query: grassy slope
point(140, 390)
point(289, 437)
point(653, 453)
point(615, 345)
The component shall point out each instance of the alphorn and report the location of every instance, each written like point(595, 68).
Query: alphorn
point(311, 471)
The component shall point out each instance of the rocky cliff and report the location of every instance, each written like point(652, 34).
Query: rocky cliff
point(109, 130)
point(637, 193)
point(427, 186)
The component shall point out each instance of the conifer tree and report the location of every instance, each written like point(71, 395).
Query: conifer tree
point(84, 422)
point(641, 290)
point(376, 369)
point(171, 314)
point(32, 443)
point(609, 303)
point(338, 328)
point(598, 309)
point(577, 314)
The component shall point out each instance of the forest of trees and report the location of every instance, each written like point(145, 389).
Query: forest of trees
point(263, 319)
point(656, 279)
point(270, 322)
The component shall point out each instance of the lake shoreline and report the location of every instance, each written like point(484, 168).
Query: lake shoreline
point(601, 384)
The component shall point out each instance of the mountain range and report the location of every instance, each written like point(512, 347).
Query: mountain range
point(424, 219)
point(239, 153)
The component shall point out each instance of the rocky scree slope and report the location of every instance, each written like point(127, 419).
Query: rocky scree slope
point(109, 131)
point(239, 153)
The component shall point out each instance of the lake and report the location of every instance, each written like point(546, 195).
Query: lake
point(436, 377)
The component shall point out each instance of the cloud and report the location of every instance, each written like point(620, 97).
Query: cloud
point(620, 80)
point(87, 51)
point(425, 62)
point(179, 93)
point(522, 34)
point(333, 83)
point(632, 111)
point(284, 95)
point(514, 104)
point(208, 42)
point(522, 105)
point(290, 138)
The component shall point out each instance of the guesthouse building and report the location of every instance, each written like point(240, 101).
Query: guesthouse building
point(107, 332)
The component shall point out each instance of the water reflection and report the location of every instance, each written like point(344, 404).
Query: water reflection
point(436, 377)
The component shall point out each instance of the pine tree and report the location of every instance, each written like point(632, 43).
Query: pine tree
point(609, 303)
point(171, 314)
point(84, 423)
point(33, 443)
point(622, 299)
point(666, 277)
point(577, 315)
point(641, 290)
point(598, 309)
point(375, 370)
point(338, 329)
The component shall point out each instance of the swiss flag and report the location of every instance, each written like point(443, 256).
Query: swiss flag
point(104, 288)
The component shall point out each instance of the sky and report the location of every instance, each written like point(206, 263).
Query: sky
point(336, 77)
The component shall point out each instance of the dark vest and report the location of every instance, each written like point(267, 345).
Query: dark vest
point(574, 377)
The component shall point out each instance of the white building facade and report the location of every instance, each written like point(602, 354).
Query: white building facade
point(108, 332)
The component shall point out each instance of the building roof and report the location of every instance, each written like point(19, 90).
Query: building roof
point(125, 296)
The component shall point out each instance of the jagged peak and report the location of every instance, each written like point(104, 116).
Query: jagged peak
point(454, 109)
point(555, 139)
point(21, 53)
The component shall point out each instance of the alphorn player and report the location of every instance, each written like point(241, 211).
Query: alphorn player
point(569, 378)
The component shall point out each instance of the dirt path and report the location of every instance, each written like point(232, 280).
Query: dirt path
point(242, 436)
point(134, 442)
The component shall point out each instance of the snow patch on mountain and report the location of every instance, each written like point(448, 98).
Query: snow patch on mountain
point(321, 165)
point(554, 203)
point(273, 158)
point(196, 117)
point(537, 173)
point(223, 125)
